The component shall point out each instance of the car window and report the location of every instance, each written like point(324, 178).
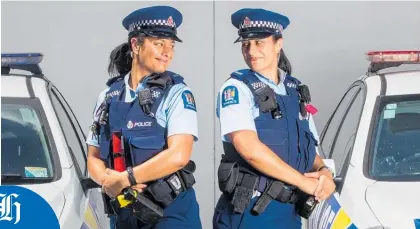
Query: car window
point(396, 149)
point(69, 111)
point(344, 142)
point(328, 135)
point(71, 129)
point(25, 150)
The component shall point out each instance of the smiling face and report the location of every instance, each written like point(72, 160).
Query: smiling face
point(261, 54)
point(153, 54)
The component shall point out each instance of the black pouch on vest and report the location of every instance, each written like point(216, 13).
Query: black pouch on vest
point(187, 174)
point(265, 98)
point(228, 174)
point(161, 192)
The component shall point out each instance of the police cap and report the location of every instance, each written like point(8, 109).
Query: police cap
point(154, 21)
point(258, 23)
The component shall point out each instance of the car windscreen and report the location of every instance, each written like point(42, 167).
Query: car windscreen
point(26, 152)
point(395, 151)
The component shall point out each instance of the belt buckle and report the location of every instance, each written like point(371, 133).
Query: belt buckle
point(176, 184)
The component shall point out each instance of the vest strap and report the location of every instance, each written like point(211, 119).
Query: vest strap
point(264, 96)
point(162, 81)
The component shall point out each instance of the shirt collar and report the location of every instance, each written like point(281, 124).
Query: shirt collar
point(282, 76)
point(140, 85)
point(126, 78)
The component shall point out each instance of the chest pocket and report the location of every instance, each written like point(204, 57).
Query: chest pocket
point(145, 147)
point(271, 124)
point(271, 131)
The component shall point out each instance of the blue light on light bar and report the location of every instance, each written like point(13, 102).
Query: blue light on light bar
point(417, 223)
point(8, 59)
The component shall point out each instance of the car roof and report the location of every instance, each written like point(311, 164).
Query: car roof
point(406, 82)
point(18, 85)
point(19, 71)
point(395, 82)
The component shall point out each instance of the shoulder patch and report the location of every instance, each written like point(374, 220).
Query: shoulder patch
point(188, 99)
point(230, 96)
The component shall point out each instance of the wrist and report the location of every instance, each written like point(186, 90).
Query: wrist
point(301, 182)
point(131, 177)
point(327, 170)
point(102, 178)
point(125, 179)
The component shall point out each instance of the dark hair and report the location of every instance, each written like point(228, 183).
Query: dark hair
point(284, 63)
point(120, 59)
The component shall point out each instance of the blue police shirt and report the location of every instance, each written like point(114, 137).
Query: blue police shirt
point(239, 113)
point(171, 112)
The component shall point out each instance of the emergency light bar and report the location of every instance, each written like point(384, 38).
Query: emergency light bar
point(385, 59)
point(21, 61)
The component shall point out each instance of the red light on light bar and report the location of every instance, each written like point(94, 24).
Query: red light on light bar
point(394, 56)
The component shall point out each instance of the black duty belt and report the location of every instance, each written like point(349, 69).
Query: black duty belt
point(148, 206)
point(240, 183)
point(275, 190)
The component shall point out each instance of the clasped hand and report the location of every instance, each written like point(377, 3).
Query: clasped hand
point(326, 185)
point(116, 181)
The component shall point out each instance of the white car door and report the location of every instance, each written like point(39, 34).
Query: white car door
point(90, 205)
point(336, 143)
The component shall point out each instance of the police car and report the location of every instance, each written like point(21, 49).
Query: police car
point(372, 141)
point(42, 144)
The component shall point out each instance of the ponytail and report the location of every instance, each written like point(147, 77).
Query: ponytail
point(120, 60)
point(284, 63)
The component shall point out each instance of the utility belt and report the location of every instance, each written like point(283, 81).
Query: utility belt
point(239, 183)
point(149, 205)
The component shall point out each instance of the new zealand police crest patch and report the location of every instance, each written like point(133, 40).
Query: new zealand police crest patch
point(188, 99)
point(230, 96)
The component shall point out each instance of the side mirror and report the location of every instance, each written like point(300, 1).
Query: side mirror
point(88, 183)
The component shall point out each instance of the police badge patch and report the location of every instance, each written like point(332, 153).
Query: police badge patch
point(229, 96)
point(188, 99)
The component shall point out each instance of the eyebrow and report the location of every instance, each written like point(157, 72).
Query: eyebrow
point(164, 39)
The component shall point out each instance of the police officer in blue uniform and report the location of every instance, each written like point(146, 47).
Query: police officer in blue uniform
point(270, 173)
point(152, 114)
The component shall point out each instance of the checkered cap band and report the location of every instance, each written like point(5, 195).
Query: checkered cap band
point(137, 25)
point(267, 24)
